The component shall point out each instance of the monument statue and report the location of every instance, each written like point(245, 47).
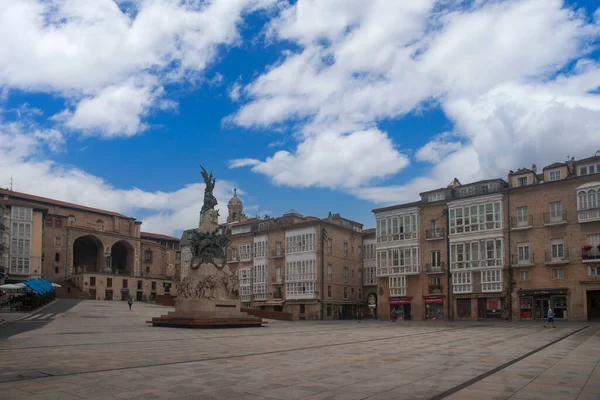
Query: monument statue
point(210, 201)
point(208, 297)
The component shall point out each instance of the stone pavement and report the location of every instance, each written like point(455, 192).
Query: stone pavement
point(100, 350)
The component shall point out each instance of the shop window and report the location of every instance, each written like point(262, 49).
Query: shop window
point(526, 307)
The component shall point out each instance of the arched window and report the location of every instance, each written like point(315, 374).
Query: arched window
point(582, 200)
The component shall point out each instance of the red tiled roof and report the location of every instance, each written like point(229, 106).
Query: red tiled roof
point(39, 199)
point(158, 236)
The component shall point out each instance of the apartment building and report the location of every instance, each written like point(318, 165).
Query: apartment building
point(307, 266)
point(512, 248)
point(553, 240)
point(99, 251)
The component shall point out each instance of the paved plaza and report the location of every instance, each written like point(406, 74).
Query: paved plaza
point(100, 350)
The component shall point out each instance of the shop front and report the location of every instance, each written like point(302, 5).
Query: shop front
point(402, 307)
point(481, 305)
point(534, 303)
point(434, 307)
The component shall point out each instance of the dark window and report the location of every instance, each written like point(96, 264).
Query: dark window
point(92, 281)
point(108, 282)
point(57, 257)
point(329, 291)
point(58, 222)
point(148, 255)
point(345, 292)
point(302, 309)
point(56, 270)
point(278, 293)
point(147, 269)
point(139, 285)
point(154, 286)
point(125, 283)
point(48, 222)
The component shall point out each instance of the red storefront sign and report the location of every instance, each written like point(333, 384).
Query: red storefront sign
point(400, 300)
point(434, 299)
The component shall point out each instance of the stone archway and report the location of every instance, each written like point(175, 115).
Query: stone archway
point(122, 255)
point(372, 304)
point(88, 254)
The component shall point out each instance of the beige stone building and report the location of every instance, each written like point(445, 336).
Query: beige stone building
point(103, 253)
point(496, 249)
point(306, 266)
point(369, 273)
point(553, 240)
point(4, 241)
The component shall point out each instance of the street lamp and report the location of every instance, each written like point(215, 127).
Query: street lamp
point(324, 237)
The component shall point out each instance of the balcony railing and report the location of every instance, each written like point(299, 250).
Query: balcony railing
point(553, 258)
point(438, 268)
point(555, 218)
point(396, 237)
point(435, 289)
point(434, 234)
point(232, 258)
point(275, 253)
point(521, 223)
point(590, 254)
point(515, 261)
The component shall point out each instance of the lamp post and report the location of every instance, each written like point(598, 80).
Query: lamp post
point(323, 239)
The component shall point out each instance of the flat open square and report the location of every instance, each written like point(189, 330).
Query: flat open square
point(101, 350)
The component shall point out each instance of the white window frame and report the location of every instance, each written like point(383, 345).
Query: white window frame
point(524, 275)
point(522, 181)
point(436, 258)
point(476, 254)
point(556, 211)
point(491, 280)
point(476, 217)
point(558, 273)
point(522, 216)
point(345, 274)
point(462, 282)
point(370, 275)
point(300, 278)
point(397, 285)
point(557, 250)
point(524, 253)
point(555, 175)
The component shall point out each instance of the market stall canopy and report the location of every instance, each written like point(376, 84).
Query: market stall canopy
point(41, 286)
point(56, 284)
point(12, 286)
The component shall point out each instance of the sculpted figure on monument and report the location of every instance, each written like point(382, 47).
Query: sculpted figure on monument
point(210, 201)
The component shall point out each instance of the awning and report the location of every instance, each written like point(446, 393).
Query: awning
point(40, 286)
point(400, 300)
point(439, 299)
point(12, 286)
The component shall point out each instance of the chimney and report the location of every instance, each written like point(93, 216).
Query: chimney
point(534, 168)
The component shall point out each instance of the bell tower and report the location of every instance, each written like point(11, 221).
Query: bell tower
point(235, 207)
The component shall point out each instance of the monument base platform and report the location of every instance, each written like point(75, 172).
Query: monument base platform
point(207, 314)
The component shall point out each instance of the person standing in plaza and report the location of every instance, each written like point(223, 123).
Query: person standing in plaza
point(130, 302)
point(550, 318)
point(359, 315)
point(394, 316)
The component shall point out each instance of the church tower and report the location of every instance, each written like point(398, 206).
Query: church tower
point(235, 208)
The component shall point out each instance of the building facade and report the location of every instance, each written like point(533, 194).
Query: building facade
point(369, 272)
point(65, 242)
point(496, 249)
point(306, 266)
point(4, 241)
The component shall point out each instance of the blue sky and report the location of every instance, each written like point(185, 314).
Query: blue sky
point(337, 106)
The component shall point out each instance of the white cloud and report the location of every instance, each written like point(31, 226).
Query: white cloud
point(88, 52)
point(334, 160)
point(234, 91)
point(490, 66)
point(243, 162)
point(165, 212)
point(114, 111)
point(434, 151)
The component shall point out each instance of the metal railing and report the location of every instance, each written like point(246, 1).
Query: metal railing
point(435, 268)
point(590, 253)
point(280, 252)
point(557, 257)
point(520, 222)
point(432, 234)
point(435, 289)
point(515, 261)
point(555, 218)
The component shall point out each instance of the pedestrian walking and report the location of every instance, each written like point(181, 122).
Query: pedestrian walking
point(130, 302)
point(359, 316)
point(394, 316)
point(550, 318)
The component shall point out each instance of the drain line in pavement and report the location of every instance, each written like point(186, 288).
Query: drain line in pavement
point(500, 368)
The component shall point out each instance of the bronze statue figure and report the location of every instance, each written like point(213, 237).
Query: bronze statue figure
point(210, 201)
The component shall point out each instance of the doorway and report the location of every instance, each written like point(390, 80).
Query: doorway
point(541, 307)
point(463, 308)
point(593, 304)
